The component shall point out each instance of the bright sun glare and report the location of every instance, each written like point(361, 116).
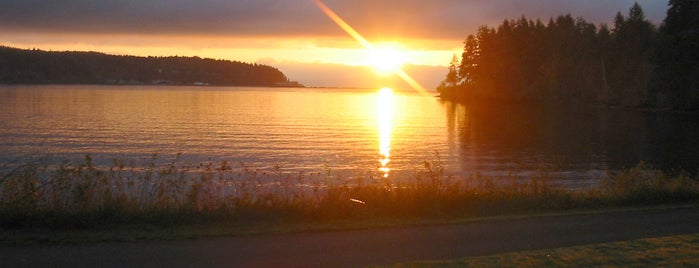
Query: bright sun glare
point(386, 60)
point(383, 62)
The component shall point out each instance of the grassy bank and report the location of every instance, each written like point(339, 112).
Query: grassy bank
point(77, 196)
point(670, 251)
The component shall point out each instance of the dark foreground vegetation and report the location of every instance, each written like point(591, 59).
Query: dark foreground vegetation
point(633, 64)
point(19, 66)
point(81, 195)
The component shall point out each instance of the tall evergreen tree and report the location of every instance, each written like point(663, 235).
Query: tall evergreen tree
point(630, 66)
point(449, 86)
point(571, 60)
point(453, 75)
point(469, 61)
point(676, 82)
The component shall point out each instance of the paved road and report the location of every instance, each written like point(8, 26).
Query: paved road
point(365, 247)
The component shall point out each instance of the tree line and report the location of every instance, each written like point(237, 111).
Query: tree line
point(633, 64)
point(20, 66)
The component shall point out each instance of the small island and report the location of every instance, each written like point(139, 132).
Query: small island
point(22, 66)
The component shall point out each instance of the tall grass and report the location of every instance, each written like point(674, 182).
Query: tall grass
point(81, 194)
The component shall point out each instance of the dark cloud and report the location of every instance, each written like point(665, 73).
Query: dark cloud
point(241, 17)
point(376, 19)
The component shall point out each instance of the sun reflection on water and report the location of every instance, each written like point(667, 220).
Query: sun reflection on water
point(384, 109)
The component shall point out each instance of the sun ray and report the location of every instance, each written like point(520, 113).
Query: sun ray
point(366, 44)
point(414, 84)
point(340, 22)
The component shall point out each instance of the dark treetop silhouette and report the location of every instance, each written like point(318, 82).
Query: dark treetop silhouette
point(633, 64)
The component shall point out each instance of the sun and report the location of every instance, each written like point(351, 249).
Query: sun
point(386, 59)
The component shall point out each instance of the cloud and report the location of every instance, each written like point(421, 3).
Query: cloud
point(243, 17)
point(376, 19)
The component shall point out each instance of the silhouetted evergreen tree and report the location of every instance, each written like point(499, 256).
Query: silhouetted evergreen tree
point(630, 67)
point(469, 61)
point(677, 57)
point(566, 60)
point(452, 81)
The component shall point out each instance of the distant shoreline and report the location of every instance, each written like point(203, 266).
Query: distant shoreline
point(148, 85)
point(38, 67)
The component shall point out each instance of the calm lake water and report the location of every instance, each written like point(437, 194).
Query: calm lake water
point(349, 131)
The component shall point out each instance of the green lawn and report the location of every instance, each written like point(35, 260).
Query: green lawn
point(669, 251)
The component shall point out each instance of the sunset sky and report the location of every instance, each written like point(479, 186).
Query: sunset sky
point(293, 35)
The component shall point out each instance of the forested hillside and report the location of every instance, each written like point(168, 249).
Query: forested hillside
point(19, 66)
point(634, 63)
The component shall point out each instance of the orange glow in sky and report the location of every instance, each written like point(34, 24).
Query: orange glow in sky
point(383, 59)
point(413, 37)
